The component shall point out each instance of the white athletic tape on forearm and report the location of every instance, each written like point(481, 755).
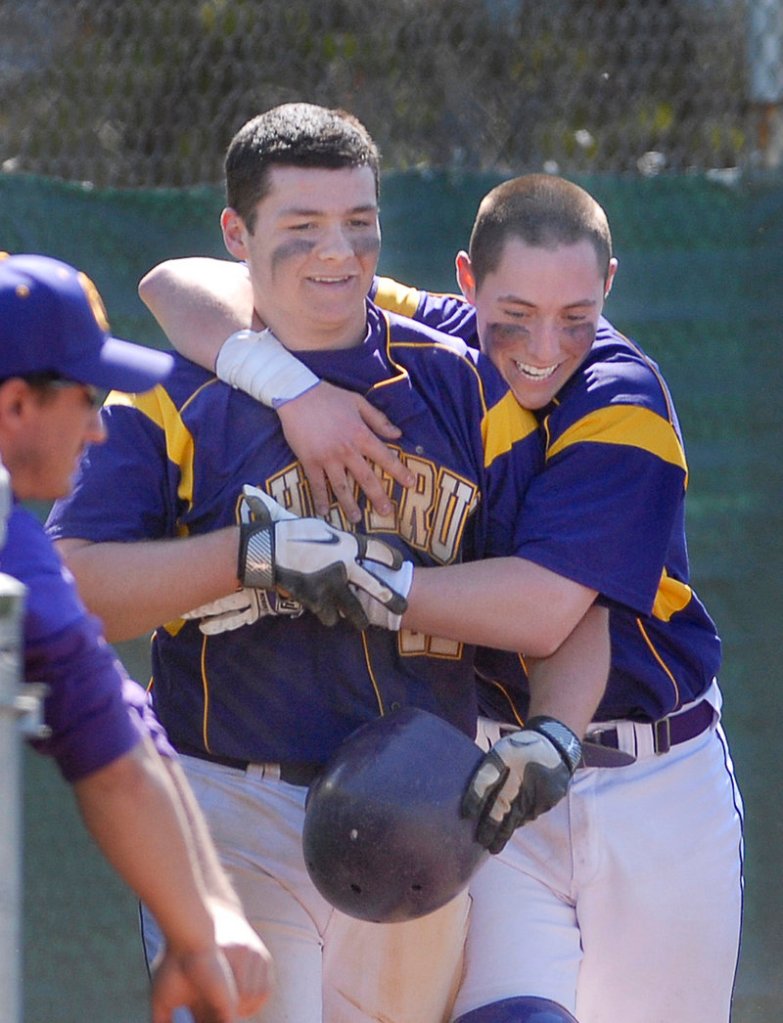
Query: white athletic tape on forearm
point(258, 364)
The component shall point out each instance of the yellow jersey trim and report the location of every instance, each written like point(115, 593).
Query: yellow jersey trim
point(629, 425)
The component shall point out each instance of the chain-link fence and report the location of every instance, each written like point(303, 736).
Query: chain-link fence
point(149, 92)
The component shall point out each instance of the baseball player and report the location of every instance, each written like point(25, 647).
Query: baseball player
point(55, 351)
point(624, 901)
point(258, 692)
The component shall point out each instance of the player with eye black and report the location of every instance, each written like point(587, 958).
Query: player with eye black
point(623, 901)
point(267, 651)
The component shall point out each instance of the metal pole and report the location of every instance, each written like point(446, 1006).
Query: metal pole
point(765, 76)
point(11, 610)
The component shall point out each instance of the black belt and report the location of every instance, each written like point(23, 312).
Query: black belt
point(668, 732)
point(292, 773)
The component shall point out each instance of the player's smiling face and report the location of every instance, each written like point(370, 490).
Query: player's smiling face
point(537, 314)
point(312, 254)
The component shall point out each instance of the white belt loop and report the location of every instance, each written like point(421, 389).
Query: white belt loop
point(271, 772)
point(487, 733)
point(626, 737)
point(644, 735)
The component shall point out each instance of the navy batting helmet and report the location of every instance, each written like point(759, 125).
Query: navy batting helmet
point(384, 839)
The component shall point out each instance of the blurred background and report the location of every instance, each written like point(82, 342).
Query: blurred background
point(114, 117)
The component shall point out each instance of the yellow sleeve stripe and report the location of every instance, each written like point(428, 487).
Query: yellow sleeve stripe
point(503, 425)
point(625, 424)
point(396, 297)
point(158, 407)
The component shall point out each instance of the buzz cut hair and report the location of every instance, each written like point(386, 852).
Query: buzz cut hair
point(293, 135)
point(543, 211)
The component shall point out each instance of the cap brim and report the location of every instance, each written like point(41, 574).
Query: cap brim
point(124, 366)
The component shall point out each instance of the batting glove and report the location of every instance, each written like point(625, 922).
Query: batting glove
point(247, 605)
point(242, 608)
point(523, 775)
point(315, 563)
point(380, 614)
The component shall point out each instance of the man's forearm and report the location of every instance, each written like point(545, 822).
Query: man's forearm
point(130, 808)
point(135, 587)
point(569, 685)
point(215, 879)
point(506, 603)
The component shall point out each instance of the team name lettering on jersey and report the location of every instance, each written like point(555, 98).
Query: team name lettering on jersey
point(430, 516)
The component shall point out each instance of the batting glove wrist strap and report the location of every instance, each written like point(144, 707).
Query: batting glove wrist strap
point(256, 555)
point(258, 364)
point(562, 738)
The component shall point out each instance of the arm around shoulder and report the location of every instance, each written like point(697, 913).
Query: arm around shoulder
point(198, 301)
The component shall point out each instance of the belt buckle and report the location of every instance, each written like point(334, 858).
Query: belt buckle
point(662, 736)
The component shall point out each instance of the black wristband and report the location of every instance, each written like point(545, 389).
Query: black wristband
point(562, 738)
point(255, 565)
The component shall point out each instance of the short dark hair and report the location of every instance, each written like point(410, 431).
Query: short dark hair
point(541, 210)
point(293, 135)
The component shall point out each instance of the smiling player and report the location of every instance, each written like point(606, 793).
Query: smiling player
point(607, 513)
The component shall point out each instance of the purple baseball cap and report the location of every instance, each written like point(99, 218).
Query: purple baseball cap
point(52, 320)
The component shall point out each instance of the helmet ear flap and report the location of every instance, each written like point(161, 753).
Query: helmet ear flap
point(384, 839)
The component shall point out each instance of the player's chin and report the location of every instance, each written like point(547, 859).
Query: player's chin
point(532, 395)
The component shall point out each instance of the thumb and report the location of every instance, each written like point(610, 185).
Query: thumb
point(264, 508)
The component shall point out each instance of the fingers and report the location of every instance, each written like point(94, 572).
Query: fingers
point(376, 588)
point(351, 472)
point(488, 801)
point(233, 602)
point(200, 981)
point(352, 611)
point(335, 443)
point(376, 420)
point(319, 482)
point(488, 777)
point(386, 460)
point(338, 605)
point(261, 506)
point(253, 975)
point(256, 510)
point(372, 549)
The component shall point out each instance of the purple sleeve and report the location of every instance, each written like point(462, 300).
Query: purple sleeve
point(92, 709)
point(602, 515)
point(138, 698)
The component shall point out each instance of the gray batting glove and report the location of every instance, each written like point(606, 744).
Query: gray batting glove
point(523, 775)
point(315, 563)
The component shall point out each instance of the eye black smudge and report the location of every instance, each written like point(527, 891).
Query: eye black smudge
point(292, 249)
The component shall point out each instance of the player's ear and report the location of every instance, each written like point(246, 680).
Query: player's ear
point(234, 232)
point(612, 270)
point(16, 397)
point(465, 277)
